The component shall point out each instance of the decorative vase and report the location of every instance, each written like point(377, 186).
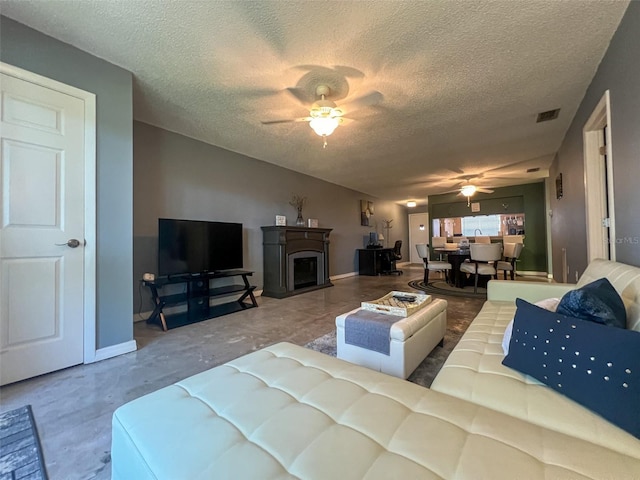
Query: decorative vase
point(300, 220)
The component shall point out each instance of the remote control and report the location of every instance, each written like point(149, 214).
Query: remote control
point(405, 298)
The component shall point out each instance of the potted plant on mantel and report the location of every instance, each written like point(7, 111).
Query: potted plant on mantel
point(298, 201)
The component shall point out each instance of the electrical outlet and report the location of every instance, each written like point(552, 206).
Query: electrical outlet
point(576, 276)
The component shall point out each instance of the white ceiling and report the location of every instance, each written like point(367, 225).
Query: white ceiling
point(462, 81)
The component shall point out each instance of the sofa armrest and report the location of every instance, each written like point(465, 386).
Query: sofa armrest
point(508, 290)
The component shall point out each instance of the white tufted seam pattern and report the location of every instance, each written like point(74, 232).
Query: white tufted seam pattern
point(384, 427)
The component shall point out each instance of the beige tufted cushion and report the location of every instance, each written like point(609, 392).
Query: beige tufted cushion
point(625, 279)
point(404, 329)
point(411, 340)
point(288, 412)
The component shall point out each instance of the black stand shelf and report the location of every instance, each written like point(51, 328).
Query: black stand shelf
point(374, 261)
point(197, 298)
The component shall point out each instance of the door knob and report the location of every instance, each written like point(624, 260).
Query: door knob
point(73, 243)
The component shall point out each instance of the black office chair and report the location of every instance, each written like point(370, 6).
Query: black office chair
point(395, 255)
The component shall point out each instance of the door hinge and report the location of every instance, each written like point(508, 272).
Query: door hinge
point(606, 222)
point(603, 150)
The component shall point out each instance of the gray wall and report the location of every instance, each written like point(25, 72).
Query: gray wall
point(178, 177)
point(618, 72)
point(31, 50)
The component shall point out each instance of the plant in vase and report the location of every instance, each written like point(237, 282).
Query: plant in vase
point(298, 201)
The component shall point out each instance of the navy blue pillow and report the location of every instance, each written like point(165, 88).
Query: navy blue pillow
point(596, 302)
point(595, 365)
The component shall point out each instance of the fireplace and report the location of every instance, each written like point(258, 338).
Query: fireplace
point(296, 260)
point(305, 269)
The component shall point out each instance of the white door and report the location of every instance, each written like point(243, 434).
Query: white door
point(42, 208)
point(418, 233)
point(598, 180)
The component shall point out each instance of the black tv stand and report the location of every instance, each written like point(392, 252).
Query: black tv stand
point(197, 297)
point(176, 276)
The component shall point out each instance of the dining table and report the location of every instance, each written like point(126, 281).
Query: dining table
point(455, 257)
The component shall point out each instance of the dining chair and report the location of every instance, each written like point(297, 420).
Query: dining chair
point(481, 255)
point(513, 239)
point(483, 239)
point(511, 253)
point(438, 242)
point(432, 265)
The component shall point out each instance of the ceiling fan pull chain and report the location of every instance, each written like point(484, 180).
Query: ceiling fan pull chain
point(324, 145)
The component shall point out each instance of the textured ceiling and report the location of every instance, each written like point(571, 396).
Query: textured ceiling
point(461, 81)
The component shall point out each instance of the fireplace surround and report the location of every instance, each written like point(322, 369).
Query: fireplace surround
point(296, 260)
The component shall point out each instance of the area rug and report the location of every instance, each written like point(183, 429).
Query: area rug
point(430, 366)
point(20, 450)
point(440, 287)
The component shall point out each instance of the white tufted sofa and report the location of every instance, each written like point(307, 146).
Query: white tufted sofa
point(289, 412)
point(474, 370)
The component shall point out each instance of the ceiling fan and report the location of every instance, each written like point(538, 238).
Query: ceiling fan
point(468, 190)
point(524, 171)
point(324, 115)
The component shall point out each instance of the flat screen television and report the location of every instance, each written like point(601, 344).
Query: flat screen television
point(196, 247)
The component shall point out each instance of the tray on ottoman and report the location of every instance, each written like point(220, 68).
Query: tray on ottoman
point(392, 305)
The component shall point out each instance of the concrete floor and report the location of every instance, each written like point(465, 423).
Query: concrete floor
point(73, 407)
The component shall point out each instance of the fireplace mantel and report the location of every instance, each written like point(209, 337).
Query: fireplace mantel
point(281, 246)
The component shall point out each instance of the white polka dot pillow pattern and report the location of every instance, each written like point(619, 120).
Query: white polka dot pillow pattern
point(596, 365)
point(548, 304)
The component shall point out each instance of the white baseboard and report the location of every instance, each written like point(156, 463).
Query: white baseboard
point(343, 275)
point(115, 350)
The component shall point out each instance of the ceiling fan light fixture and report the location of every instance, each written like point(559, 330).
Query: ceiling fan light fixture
point(324, 126)
point(324, 108)
point(468, 190)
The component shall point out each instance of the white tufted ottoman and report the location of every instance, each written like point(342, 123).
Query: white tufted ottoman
point(412, 339)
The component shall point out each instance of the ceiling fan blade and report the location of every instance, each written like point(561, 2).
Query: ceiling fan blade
point(483, 190)
point(286, 120)
point(371, 98)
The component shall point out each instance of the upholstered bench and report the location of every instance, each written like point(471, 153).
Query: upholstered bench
point(411, 340)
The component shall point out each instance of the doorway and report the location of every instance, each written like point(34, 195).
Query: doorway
point(418, 233)
point(598, 176)
point(47, 231)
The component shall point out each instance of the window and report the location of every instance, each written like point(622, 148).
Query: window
point(481, 225)
point(472, 226)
